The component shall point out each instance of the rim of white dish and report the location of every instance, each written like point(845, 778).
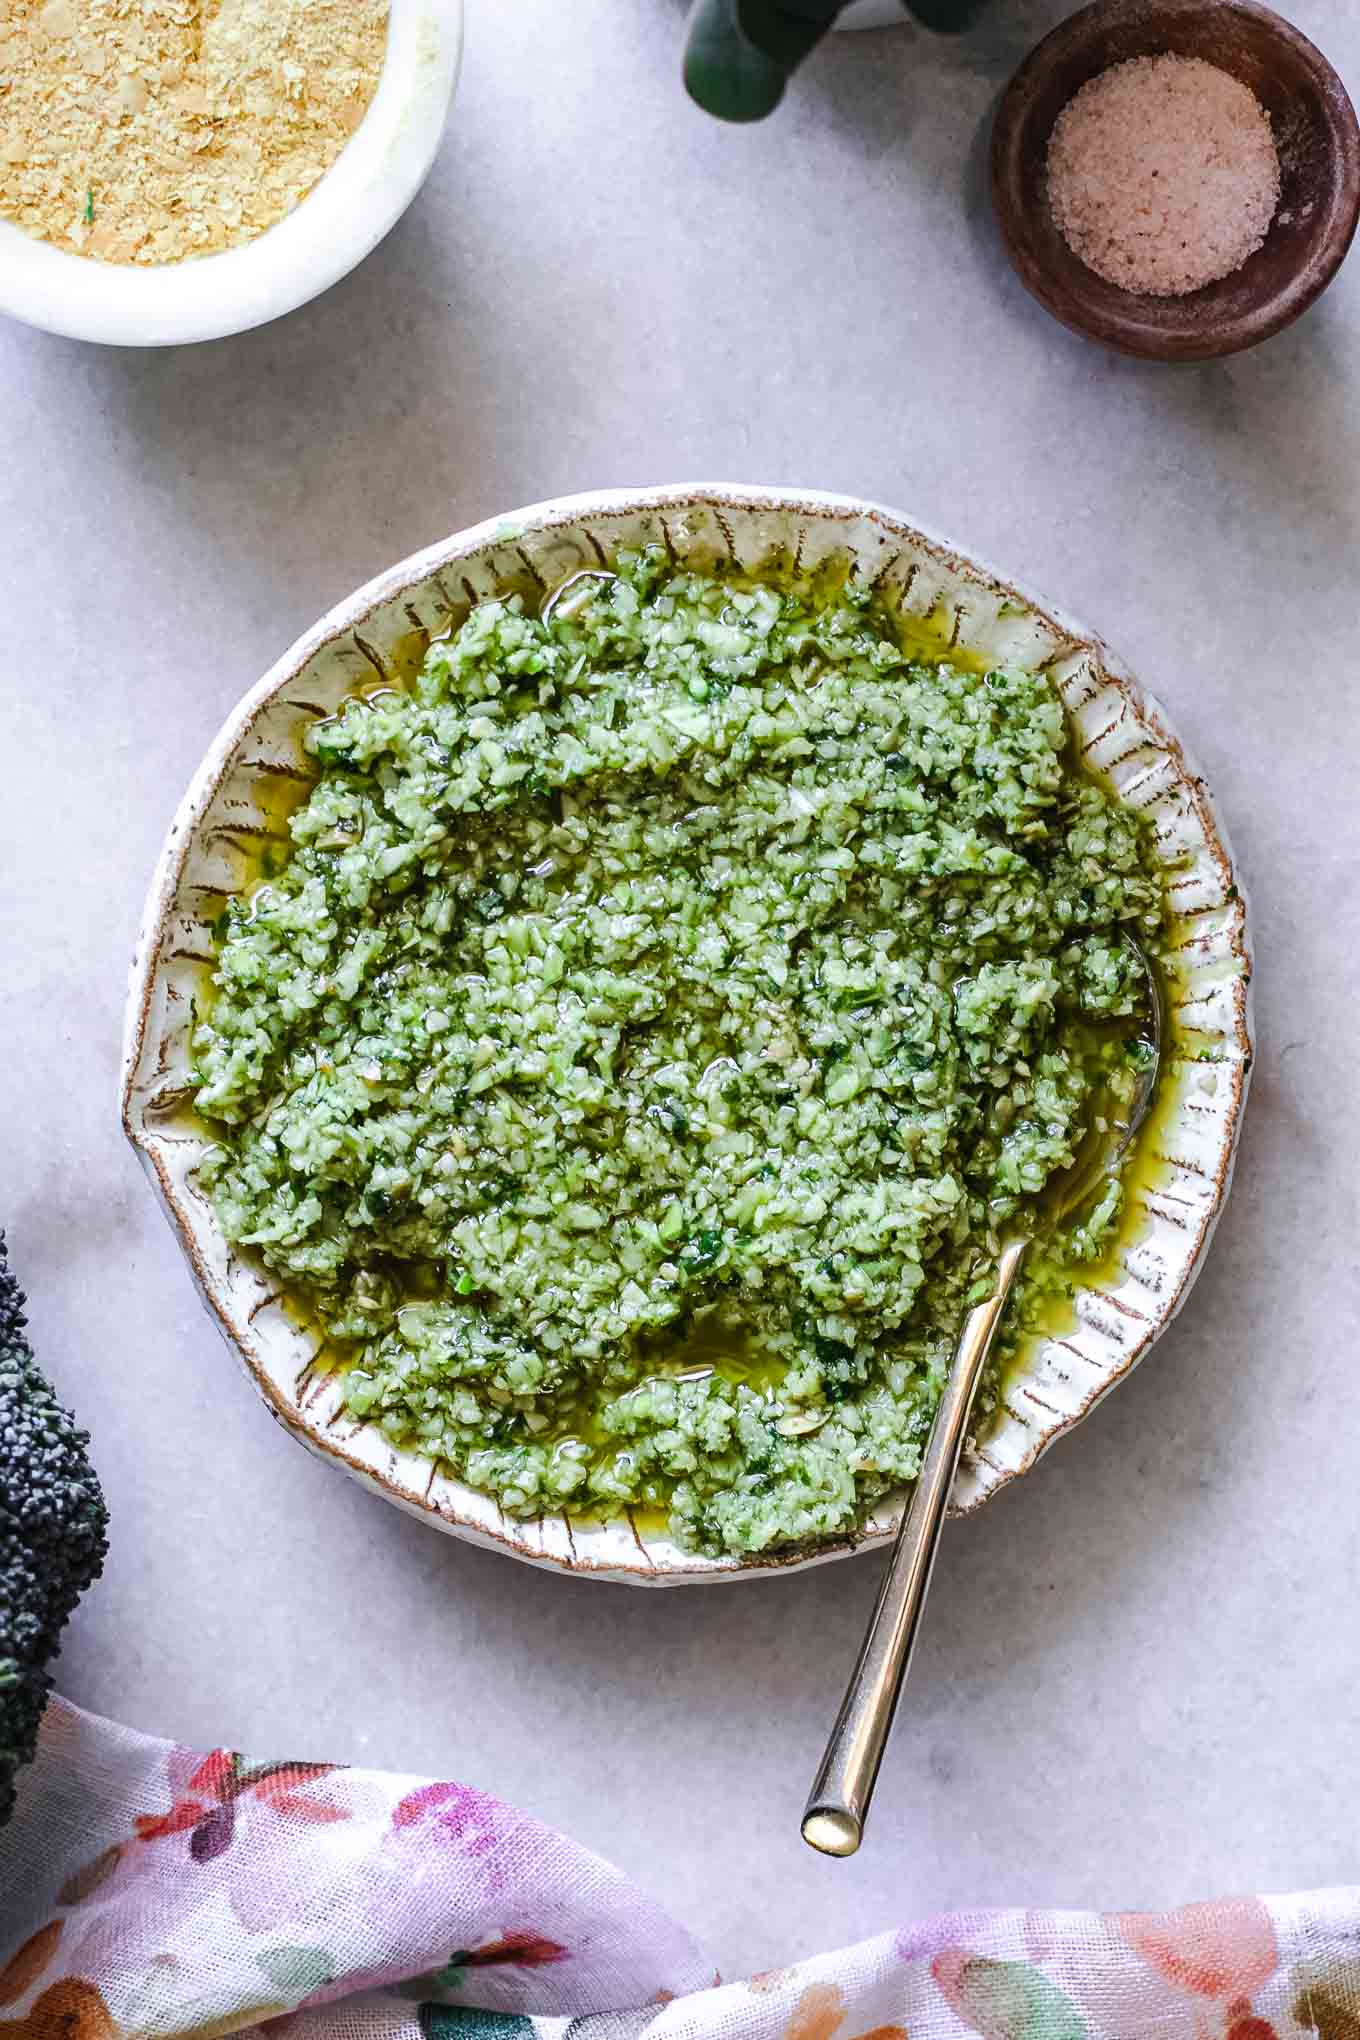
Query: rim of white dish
point(1124, 735)
point(359, 199)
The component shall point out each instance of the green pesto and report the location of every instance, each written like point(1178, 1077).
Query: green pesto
point(659, 1017)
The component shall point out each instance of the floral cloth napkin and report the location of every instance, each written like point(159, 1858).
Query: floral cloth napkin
point(147, 1890)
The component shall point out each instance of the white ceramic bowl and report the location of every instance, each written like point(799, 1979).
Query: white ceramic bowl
point(342, 218)
point(1121, 732)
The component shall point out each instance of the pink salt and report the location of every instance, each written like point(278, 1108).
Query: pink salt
point(1163, 174)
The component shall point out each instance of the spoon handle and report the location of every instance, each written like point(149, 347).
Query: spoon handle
point(838, 1804)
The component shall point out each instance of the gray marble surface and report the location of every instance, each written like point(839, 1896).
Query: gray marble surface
point(1137, 1682)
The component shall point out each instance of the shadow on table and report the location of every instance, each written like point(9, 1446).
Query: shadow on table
point(1279, 410)
point(294, 461)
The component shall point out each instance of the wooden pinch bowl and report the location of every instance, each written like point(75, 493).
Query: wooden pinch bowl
point(1315, 131)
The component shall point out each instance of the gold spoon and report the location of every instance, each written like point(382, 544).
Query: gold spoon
point(838, 1805)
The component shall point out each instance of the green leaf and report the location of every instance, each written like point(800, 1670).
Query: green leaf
point(1015, 2001)
point(296, 1971)
point(788, 29)
point(946, 17)
point(462, 2022)
point(739, 53)
point(444, 1981)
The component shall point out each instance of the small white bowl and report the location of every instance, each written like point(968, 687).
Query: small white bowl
point(341, 220)
point(1123, 734)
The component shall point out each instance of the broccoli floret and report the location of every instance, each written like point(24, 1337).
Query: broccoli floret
point(52, 1533)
